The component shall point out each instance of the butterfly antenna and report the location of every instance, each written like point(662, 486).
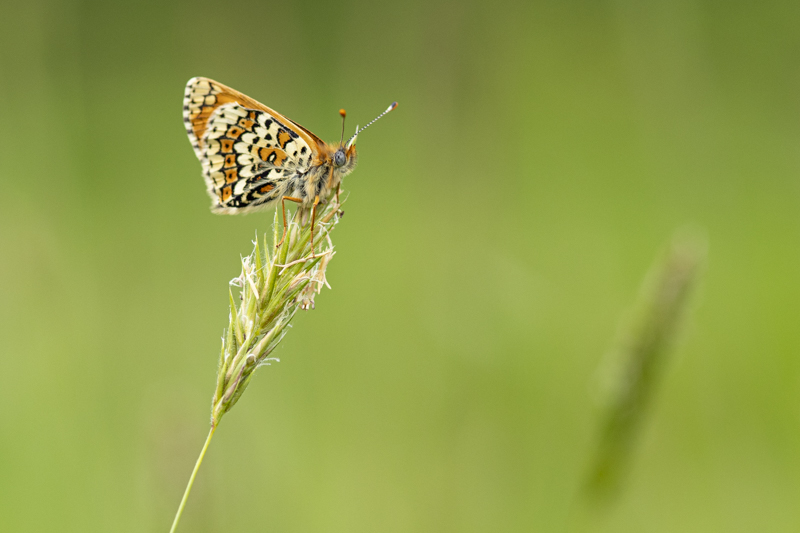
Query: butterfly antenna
point(343, 113)
point(353, 138)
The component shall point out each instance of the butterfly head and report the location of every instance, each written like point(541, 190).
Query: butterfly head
point(344, 157)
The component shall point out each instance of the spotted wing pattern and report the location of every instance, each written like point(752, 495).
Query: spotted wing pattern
point(250, 154)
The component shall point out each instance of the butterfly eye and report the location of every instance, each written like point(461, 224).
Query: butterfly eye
point(339, 158)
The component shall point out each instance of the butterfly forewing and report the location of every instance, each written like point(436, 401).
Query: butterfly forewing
point(248, 151)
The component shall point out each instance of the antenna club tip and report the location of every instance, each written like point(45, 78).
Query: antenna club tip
point(343, 113)
point(394, 104)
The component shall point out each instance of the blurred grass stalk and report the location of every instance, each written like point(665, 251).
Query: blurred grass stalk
point(636, 365)
point(272, 287)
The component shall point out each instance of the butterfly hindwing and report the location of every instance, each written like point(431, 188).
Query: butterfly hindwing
point(248, 158)
point(248, 151)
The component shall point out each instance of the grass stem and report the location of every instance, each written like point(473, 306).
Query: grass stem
point(191, 480)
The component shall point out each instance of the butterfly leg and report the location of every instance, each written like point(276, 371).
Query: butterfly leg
point(340, 212)
point(313, 217)
point(283, 207)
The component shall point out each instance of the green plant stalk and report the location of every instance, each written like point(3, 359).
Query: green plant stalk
point(191, 480)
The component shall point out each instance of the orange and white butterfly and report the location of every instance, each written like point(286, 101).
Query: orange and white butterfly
point(253, 156)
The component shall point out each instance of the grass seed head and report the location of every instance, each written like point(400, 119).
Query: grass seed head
point(274, 283)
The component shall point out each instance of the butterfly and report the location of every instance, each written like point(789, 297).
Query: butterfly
point(254, 157)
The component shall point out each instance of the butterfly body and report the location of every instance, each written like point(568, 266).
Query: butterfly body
point(253, 157)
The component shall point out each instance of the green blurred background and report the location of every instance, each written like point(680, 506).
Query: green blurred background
point(498, 228)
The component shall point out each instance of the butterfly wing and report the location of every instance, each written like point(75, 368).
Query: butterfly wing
point(248, 151)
